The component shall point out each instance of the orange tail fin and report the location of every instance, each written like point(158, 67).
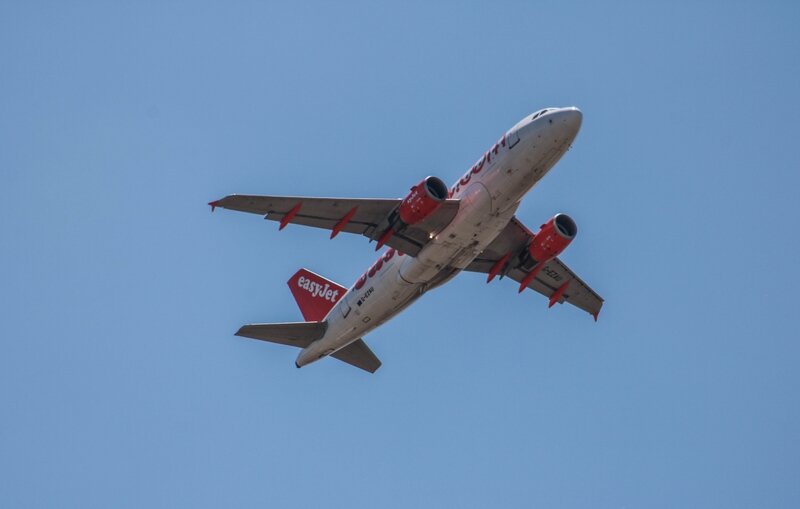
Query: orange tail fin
point(314, 294)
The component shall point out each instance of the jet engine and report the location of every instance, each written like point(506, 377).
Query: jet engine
point(423, 200)
point(554, 236)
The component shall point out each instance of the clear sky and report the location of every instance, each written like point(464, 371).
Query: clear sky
point(122, 385)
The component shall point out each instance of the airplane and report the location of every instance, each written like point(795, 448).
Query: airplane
point(432, 234)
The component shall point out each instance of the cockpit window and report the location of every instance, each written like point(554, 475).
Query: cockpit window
point(540, 113)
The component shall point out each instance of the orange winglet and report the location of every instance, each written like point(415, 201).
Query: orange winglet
point(558, 294)
point(386, 236)
point(497, 267)
point(595, 315)
point(289, 216)
point(343, 222)
point(532, 274)
point(214, 204)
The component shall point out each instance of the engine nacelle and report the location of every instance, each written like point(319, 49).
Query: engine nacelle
point(423, 200)
point(554, 236)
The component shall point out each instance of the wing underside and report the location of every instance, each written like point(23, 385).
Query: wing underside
point(555, 276)
point(368, 217)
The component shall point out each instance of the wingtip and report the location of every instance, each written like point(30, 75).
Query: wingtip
point(595, 315)
point(214, 204)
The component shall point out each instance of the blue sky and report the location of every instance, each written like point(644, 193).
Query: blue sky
point(122, 385)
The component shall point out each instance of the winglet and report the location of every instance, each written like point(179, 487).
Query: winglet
point(214, 204)
point(595, 315)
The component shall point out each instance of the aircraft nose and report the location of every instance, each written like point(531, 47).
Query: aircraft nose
point(569, 118)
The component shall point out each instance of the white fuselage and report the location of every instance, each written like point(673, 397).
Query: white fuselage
point(490, 193)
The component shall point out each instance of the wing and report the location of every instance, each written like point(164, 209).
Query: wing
point(552, 278)
point(368, 217)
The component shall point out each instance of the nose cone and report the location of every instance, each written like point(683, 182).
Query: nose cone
point(557, 126)
point(569, 119)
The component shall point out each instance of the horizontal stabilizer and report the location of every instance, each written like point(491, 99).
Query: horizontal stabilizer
point(299, 334)
point(359, 355)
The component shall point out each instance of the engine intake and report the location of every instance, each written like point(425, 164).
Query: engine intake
point(554, 236)
point(423, 200)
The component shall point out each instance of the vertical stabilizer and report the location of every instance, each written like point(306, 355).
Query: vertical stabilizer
point(314, 294)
